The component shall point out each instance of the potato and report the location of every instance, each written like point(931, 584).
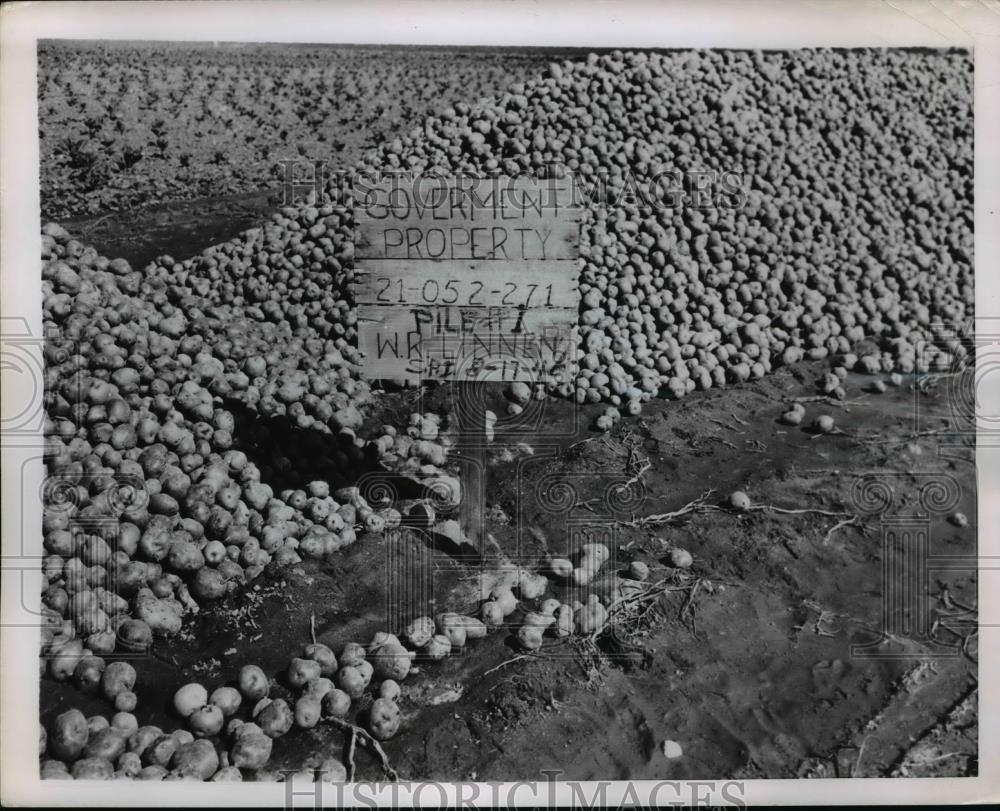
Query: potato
point(69, 735)
point(438, 648)
point(492, 614)
point(196, 760)
point(739, 501)
point(251, 750)
point(54, 770)
point(336, 703)
point(102, 643)
point(141, 739)
point(276, 718)
point(352, 655)
point(189, 698)
point(93, 768)
point(384, 719)
point(160, 751)
point(206, 722)
point(564, 621)
point(592, 617)
point(128, 764)
point(419, 632)
point(351, 680)
point(451, 626)
point(539, 620)
point(227, 699)
point(549, 606)
point(391, 661)
point(474, 629)
point(209, 584)
point(322, 654)
point(126, 701)
point(88, 672)
point(152, 772)
point(505, 598)
point(118, 677)
point(108, 743)
point(134, 635)
point(318, 687)
point(389, 689)
point(97, 723)
point(253, 683)
point(63, 663)
point(532, 585)
point(125, 721)
point(307, 711)
point(162, 616)
point(229, 774)
point(530, 636)
point(301, 671)
point(680, 558)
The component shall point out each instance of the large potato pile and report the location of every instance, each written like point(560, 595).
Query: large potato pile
point(122, 125)
point(205, 416)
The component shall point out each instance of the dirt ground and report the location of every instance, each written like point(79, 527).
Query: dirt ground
point(792, 647)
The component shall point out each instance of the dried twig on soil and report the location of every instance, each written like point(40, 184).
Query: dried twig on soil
point(850, 522)
point(355, 733)
point(312, 627)
point(699, 505)
point(786, 511)
point(504, 664)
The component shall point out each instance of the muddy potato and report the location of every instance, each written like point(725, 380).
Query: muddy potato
point(739, 501)
point(301, 671)
point(324, 656)
point(438, 648)
point(63, 662)
point(592, 617)
point(504, 597)
point(419, 632)
point(209, 584)
point(564, 621)
point(390, 661)
point(189, 698)
point(142, 738)
point(125, 721)
point(492, 614)
point(228, 774)
point(160, 751)
point(129, 764)
point(351, 680)
point(93, 768)
point(152, 772)
point(108, 743)
point(251, 750)
point(539, 620)
point(276, 718)
point(680, 558)
point(319, 687)
point(352, 655)
point(68, 735)
point(253, 683)
point(307, 711)
point(532, 585)
point(384, 719)
point(97, 723)
point(206, 722)
point(196, 760)
point(88, 672)
point(389, 689)
point(530, 636)
point(54, 770)
point(451, 626)
point(336, 703)
point(126, 701)
point(227, 699)
point(549, 606)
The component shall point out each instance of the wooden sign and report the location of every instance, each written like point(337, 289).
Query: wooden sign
point(461, 278)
